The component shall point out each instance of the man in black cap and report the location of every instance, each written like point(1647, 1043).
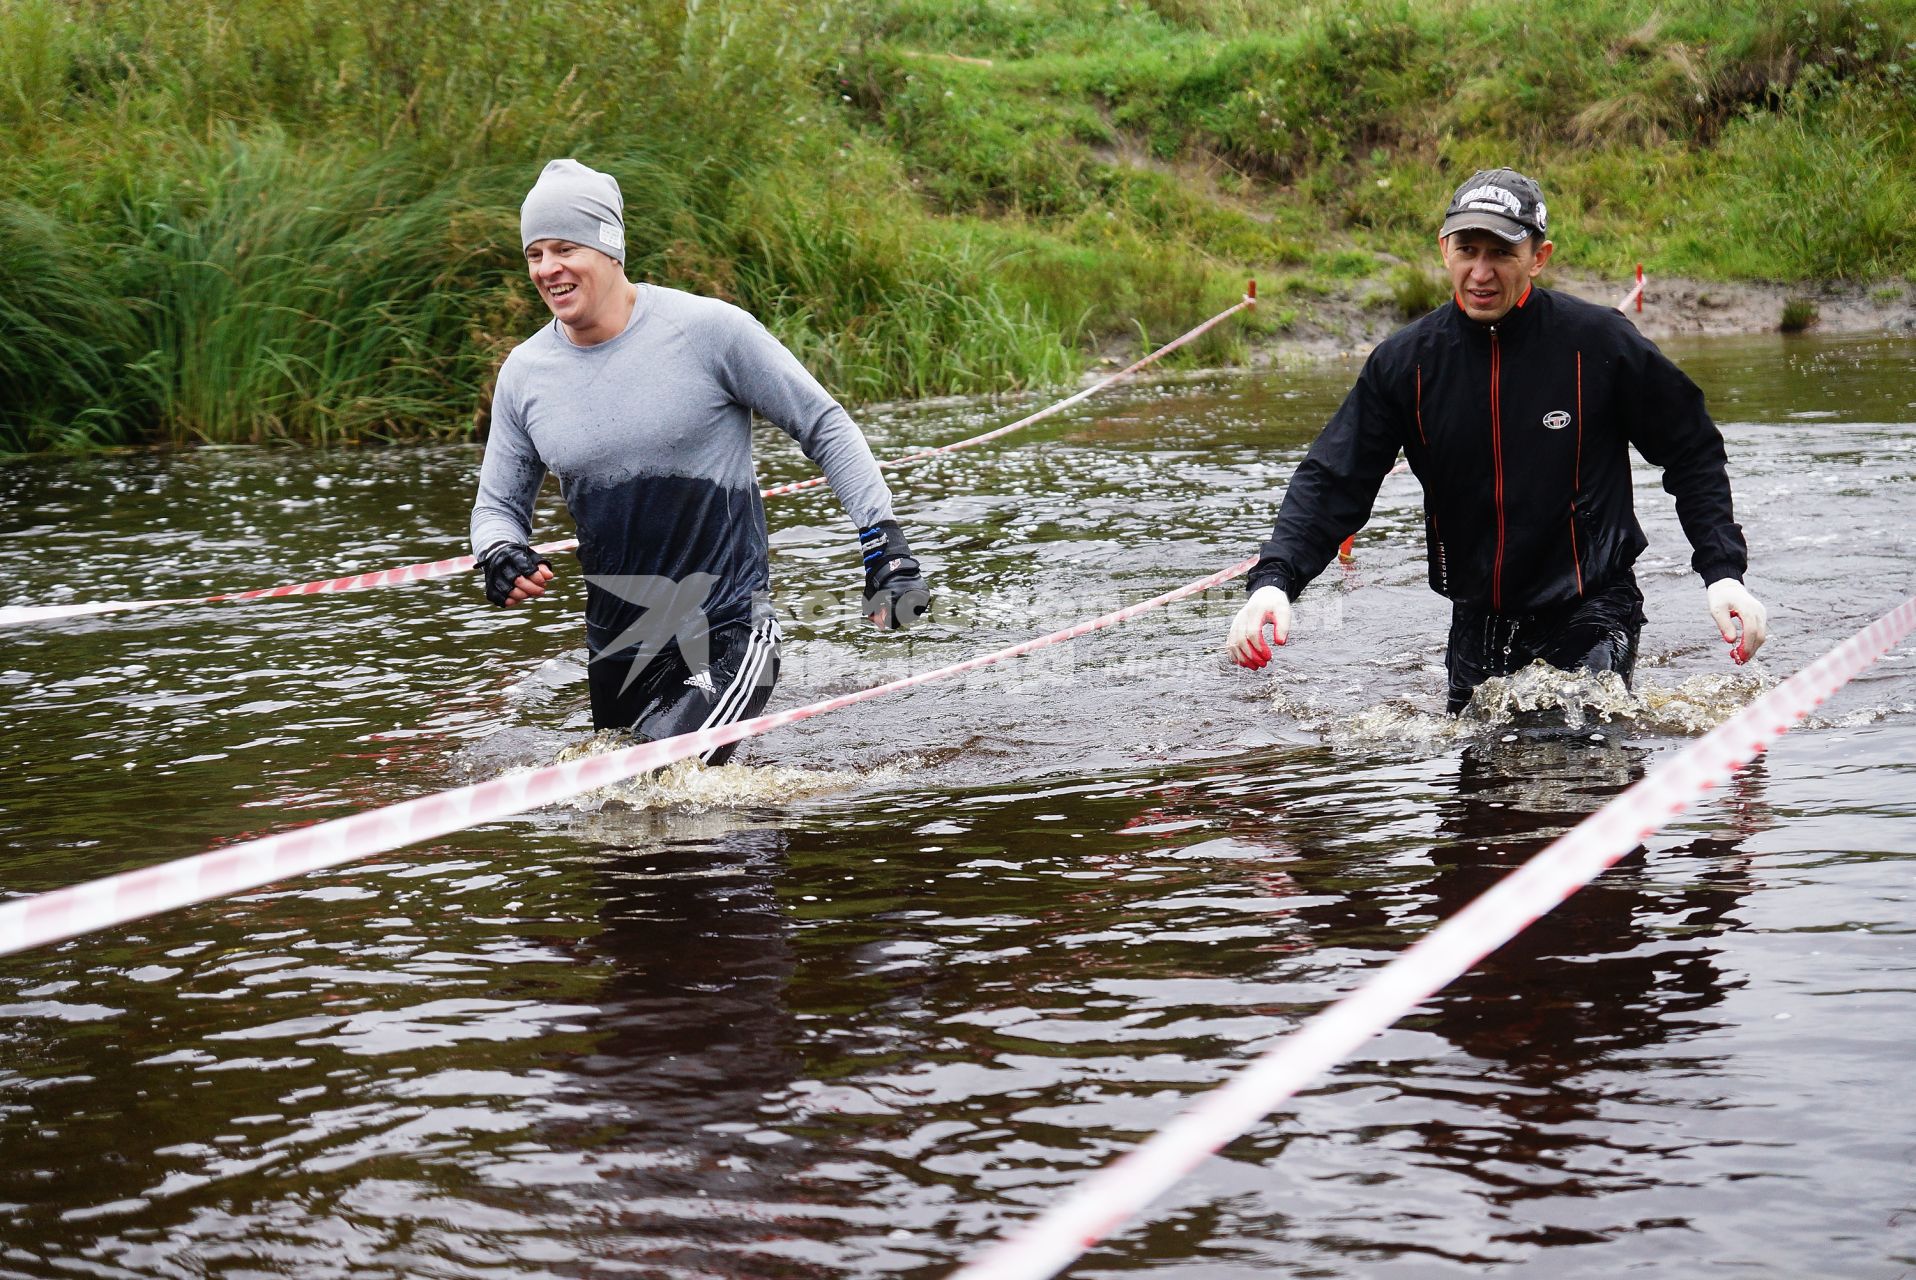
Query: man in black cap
point(1517, 408)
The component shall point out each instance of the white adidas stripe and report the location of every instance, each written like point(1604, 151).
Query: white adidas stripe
point(738, 695)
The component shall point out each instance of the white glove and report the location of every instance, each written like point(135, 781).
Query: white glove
point(1740, 616)
point(1247, 645)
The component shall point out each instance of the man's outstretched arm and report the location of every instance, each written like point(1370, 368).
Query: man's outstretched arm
point(771, 381)
point(1329, 498)
point(1672, 429)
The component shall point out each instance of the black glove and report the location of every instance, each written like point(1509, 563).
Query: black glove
point(896, 596)
point(504, 564)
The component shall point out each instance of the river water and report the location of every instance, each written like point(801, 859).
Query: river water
point(859, 1007)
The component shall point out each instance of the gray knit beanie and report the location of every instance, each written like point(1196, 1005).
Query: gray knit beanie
point(573, 202)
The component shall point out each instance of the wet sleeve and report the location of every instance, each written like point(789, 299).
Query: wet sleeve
point(1331, 494)
point(1672, 429)
point(762, 375)
point(510, 476)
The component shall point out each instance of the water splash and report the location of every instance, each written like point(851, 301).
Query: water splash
point(1702, 702)
point(1537, 697)
point(1421, 729)
point(692, 787)
point(1544, 696)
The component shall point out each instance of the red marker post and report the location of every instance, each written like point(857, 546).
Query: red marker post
point(1635, 295)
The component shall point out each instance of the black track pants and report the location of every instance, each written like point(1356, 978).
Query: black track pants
point(1597, 633)
point(670, 694)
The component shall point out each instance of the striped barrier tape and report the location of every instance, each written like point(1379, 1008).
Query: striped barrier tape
point(1122, 1189)
point(352, 582)
point(18, 614)
point(1248, 300)
point(134, 895)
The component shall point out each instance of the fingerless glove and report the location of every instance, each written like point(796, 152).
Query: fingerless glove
point(896, 596)
point(504, 563)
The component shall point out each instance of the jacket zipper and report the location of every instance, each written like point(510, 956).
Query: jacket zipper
point(1576, 559)
point(1497, 458)
point(1576, 481)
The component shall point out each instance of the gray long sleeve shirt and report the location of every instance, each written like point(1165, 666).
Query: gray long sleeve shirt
point(649, 433)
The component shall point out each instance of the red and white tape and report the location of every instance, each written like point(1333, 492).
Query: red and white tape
point(462, 564)
point(1248, 300)
point(351, 582)
point(134, 895)
point(1122, 1189)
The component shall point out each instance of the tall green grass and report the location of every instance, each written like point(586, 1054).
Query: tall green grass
point(254, 220)
point(1816, 190)
point(880, 303)
point(67, 375)
point(247, 289)
point(295, 296)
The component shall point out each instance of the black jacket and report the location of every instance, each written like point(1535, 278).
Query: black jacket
point(1520, 432)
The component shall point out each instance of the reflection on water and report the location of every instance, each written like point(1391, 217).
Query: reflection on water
point(1596, 985)
point(693, 1031)
point(854, 1005)
point(1523, 1105)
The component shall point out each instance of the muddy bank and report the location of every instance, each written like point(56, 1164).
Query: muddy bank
point(1352, 323)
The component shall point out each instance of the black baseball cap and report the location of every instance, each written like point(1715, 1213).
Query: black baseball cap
point(1501, 201)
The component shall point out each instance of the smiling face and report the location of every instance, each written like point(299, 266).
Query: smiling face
point(586, 290)
point(1488, 274)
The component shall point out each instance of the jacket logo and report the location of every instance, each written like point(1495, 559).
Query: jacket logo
point(1556, 419)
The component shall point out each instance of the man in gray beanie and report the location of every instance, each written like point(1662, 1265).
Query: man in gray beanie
point(640, 399)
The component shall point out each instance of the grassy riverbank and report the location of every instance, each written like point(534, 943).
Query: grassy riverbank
point(298, 220)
